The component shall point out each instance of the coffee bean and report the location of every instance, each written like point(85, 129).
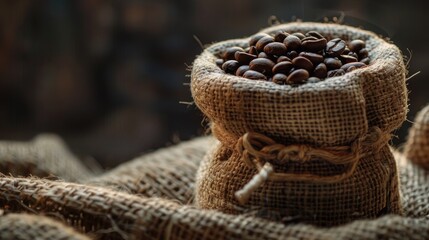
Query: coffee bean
point(314, 45)
point(313, 57)
point(230, 66)
point(335, 47)
point(283, 58)
point(263, 55)
point(346, 51)
point(302, 62)
point(363, 53)
point(332, 63)
point(347, 59)
point(299, 35)
point(279, 78)
point(244, 57)
point(320, 71)
point(255, 38)
point(253, 51)
point(254, 75)
point(292, 42)
point(262, 65)
point(229, 54)
point(292, 54)
point(241, 70)
point(365, 60)
point(282, 67)
point(219, 62)
point(353, 64)
point(314, 34)
point(351, 69)
point(275, 48)
point(263, 42)
point(336, 73)
point(353, 54)
point(308, 38)
point(356, 45)
point(298, 76)
point(280, 36)
point(313, 80)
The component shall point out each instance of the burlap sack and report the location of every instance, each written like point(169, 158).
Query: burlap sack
point(327, 143)
point(46, 156)
point(26, 226)
point(417, 147)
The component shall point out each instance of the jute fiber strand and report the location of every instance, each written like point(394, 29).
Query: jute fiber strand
point(45, 156)
point(417, 147)
point(315, 153)
point(25, 226)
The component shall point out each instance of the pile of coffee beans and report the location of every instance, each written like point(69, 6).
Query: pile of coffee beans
point(294, 58)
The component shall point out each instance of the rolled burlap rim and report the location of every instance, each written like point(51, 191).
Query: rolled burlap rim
point(258, 151)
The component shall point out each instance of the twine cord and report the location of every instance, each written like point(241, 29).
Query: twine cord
point(258, 150)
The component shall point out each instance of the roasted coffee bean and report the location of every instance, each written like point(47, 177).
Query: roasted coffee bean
point(263, 55)
point(262, 65)
point(347, 59)
point(279, 78)
point(346, 51)
point(365, 60)
point(255, 38)
point(229, 54)
point(283, 58)
point(353, 64)
point(320, 71)
point(282, 67)
point(336, 73)
point(254, 75)
point(353, 54)
point(241, 70)
point(335, 47)
point(313, 57)
point(308, 38)
point(263, 42)
point(332, 63)
point(314, 34)
point(292, 54)
point(302, 62)
point(298, 76)
point(313, 80)
point(280, 36)
point(230, 66)
point(314, 45)
point(275, 48)
point(356, 45)
point(351, 69)
point(253, 51)
point(299, 35)
point(363, 53)
point(219, 62)
point(244, 57)
point(292, 42)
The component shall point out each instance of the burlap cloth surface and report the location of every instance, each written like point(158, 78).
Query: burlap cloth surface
point(151, 198)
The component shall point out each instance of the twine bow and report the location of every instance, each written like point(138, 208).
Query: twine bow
point(258, 150)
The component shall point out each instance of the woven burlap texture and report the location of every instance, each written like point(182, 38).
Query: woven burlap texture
point(116, 212)
point(25, 226)
point(334, 112)
point(417, 147)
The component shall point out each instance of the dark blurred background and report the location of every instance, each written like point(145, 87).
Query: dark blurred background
point(109, 76)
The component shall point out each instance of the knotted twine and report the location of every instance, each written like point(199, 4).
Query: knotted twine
point(259, 150)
